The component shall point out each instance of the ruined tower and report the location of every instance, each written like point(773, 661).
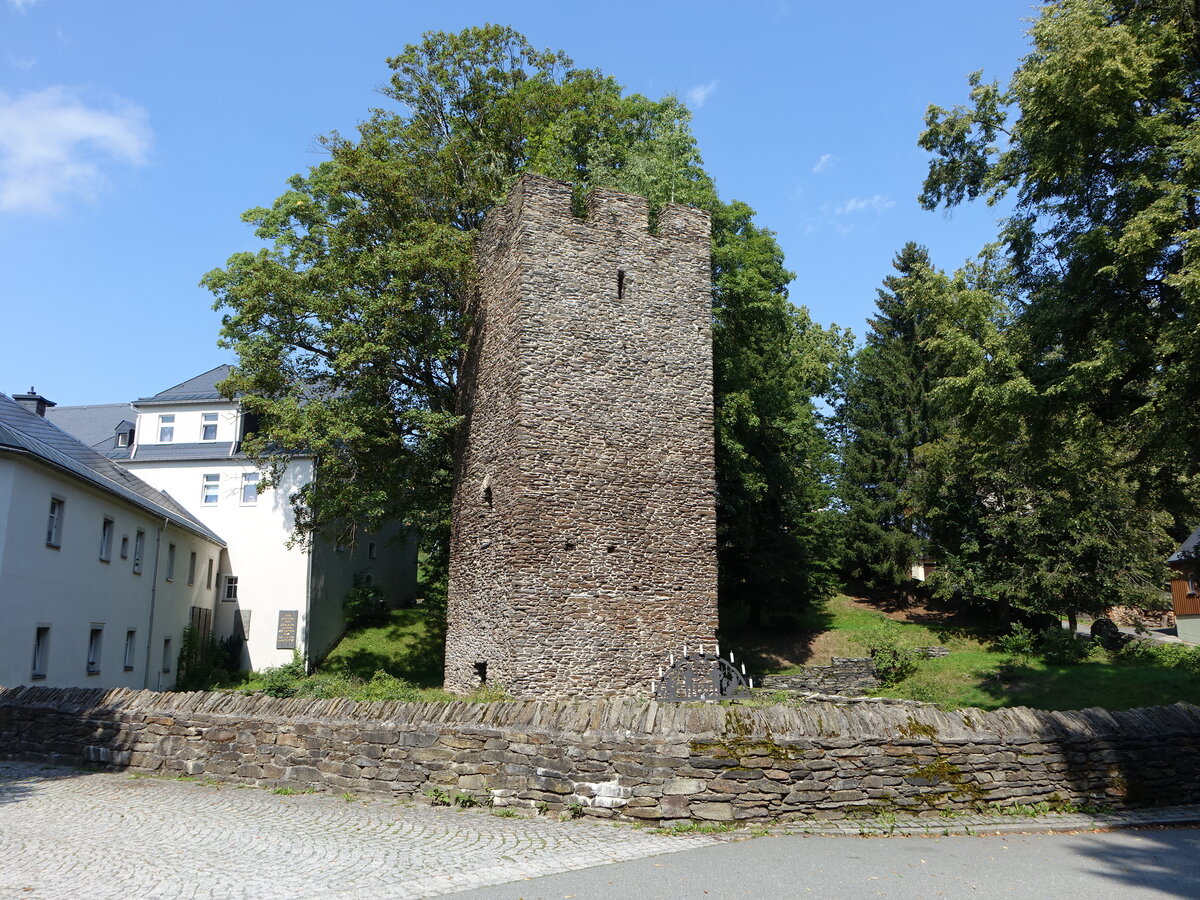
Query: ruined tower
point(584, 541)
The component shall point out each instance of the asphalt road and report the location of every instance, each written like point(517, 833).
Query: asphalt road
point(1124, 864)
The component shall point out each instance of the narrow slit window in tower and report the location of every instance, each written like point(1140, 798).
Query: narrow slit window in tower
point(620, 284)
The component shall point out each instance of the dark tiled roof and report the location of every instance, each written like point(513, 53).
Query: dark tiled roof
point(202, 387)
point(1188, 550)
point(206, 450)
point(24, 432)
point(97, 425)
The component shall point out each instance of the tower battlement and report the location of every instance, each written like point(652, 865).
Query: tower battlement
point(583, 546)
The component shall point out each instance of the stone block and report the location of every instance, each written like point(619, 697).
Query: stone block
point(716, 812)
point(684, 786)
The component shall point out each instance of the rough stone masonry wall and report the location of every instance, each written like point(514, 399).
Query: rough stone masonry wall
point(583, 547)
point(844, 675)
point(625, 757)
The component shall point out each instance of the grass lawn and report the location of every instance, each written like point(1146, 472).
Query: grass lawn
point(976, 675)
point(402, 645)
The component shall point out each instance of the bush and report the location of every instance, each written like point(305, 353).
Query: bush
point(1175, 656)
point(364, 605)
point(284, 681)
point(1019, 641)
point(383, 686)
point(894, 664)
point(1058, 646)
point(204, 662)
point(327, 685)
point(894, 661)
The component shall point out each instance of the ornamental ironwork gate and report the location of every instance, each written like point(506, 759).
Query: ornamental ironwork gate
point(700, 675)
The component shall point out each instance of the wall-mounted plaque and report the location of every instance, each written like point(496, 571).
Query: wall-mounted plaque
point(285, 632)
point(241, 623)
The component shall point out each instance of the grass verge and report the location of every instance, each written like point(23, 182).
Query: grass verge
point(977, 675)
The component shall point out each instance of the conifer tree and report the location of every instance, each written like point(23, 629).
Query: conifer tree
point(884, 416)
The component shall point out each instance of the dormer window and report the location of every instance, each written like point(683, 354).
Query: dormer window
point(208, 426)
point(166, 428)
point(122, 438)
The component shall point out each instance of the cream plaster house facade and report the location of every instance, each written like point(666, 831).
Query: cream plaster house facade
point(99, 571)
point(280, 597)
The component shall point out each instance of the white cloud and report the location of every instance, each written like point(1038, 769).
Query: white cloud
point(23, 5)
point(876, 202)
point(823, 164)
point(54, 147)
point(697, 95)
point(24, 63)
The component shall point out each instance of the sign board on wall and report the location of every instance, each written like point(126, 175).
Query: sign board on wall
point(285, 632)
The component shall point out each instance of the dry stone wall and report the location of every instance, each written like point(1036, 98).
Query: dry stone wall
point(583, 547)
point(844, 675)
point(629, 758)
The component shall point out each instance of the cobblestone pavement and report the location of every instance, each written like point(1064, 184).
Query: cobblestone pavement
point(68, 833)
point(78, 834)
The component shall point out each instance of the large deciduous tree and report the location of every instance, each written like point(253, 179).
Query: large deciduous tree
point(1097, 141)
point(349, 325)
point(777, 534)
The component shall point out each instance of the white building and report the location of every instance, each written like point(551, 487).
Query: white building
point(185, 441)
point(99, 571)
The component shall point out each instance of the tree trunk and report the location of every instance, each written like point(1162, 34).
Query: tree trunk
point(1073, 620)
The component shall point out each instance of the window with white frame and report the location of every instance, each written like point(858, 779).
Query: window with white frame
point(211, 488)
point(166, 428)
point(170, 562)
point(54, 525)
point(249, 488)
point(192, 569)
point(208, 578)
point(95, 639)
point(106, 539)
point(208, 426)
point(41, 650)
point(122, 438)
point(231, 588)
point(139, 547)
point(130, 648)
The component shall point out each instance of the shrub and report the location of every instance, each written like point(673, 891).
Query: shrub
point(894, 661)
point(364, 605)
point(1019, 641)
point(326, 685)
point(383, 686)
point(205, 662)
point(284, 681)
point(1058, 646)
point(894, 664)
point(1176, 656)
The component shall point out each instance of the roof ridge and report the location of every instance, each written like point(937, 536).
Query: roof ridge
point(186, 380)
point(53, 455)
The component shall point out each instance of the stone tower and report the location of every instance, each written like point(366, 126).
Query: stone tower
point(584, 540)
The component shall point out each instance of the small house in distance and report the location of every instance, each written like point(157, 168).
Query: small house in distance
point(1185, 588)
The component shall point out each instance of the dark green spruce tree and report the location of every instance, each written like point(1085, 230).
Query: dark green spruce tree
point(884, 416)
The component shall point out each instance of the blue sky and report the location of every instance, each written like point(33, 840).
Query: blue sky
point(133, 133)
